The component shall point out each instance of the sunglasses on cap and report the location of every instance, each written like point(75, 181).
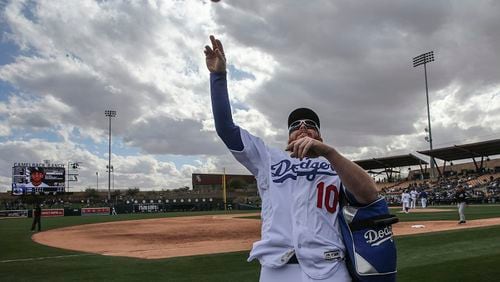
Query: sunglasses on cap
point(309, 124)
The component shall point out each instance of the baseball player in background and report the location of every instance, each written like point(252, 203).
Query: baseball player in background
point(299, 189)
point(461, 198)
point(423, 199)
point(405, 200)
point(414, 195)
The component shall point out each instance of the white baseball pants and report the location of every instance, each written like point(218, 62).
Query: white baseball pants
point(424, 202)
point(461, 210)
point(293, 273)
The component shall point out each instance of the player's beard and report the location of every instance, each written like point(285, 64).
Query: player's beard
point(306, 133)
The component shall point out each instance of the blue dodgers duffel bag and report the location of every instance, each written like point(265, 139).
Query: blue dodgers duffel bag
point(367, 234)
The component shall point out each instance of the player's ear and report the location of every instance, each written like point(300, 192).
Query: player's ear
point(319, 138)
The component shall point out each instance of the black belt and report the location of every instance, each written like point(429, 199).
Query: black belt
point(293, 260)
point(337, 257)
point(377, 221)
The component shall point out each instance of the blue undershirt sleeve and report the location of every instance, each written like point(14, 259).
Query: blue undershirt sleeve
point(221, 108)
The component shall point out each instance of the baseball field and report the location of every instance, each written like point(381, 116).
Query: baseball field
point(465, 254)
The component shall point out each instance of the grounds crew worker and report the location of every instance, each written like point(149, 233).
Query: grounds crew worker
point(37, 216)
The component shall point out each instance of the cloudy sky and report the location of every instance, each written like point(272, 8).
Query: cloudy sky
point(63, 63)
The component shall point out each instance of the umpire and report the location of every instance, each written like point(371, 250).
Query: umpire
point(37, 215)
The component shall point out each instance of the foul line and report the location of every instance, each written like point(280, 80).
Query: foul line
point(42, 258)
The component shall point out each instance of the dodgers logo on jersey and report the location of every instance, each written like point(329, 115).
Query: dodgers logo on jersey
point(284, 170)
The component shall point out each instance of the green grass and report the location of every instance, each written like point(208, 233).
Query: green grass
point(226, 267)
point(15, 233)
point(471, 212)
point(465, 255)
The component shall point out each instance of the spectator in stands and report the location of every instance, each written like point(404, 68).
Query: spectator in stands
point(432, 198)
point(444, 196)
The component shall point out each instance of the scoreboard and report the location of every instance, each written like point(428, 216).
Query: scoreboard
point(38, 178)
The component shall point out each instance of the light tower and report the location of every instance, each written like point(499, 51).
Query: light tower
point(110, 114)
point(423, 59)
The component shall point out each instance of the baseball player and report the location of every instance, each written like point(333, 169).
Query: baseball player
point(414, 195)
point(461, 197)
point(36, 184)
point(299, 189)
point(405, 199)
point(423, 198)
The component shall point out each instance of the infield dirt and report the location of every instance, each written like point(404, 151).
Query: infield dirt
point(187, 236)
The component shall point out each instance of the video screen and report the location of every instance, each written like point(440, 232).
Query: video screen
point(38, 179)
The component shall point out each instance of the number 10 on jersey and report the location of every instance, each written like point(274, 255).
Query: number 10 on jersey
point(328, 197)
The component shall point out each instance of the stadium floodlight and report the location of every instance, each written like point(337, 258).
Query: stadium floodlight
point(424, 59)
point(73, 172)
point(113, 175)
point(224, 195)
point(110, 114)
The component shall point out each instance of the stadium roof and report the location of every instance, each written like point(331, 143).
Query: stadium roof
point(390, 162)
point(465, 151)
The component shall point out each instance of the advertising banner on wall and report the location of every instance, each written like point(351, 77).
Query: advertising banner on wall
point(13, 213)
point(95, 211)
point(52, 212)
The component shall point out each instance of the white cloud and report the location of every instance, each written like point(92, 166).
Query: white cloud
point(349, 61)
point(4, 130)
point(143, 171)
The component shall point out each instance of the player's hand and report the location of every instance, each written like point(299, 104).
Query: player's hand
point(214, 57)
point(307, 147)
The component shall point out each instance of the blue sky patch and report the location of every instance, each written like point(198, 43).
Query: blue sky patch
point(238, 74)
point(6, 89)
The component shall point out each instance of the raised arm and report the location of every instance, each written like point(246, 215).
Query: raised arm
point(224, 125)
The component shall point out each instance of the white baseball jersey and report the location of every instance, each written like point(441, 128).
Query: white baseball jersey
point(405, 197)
point(299, 208)
point(414, 194)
